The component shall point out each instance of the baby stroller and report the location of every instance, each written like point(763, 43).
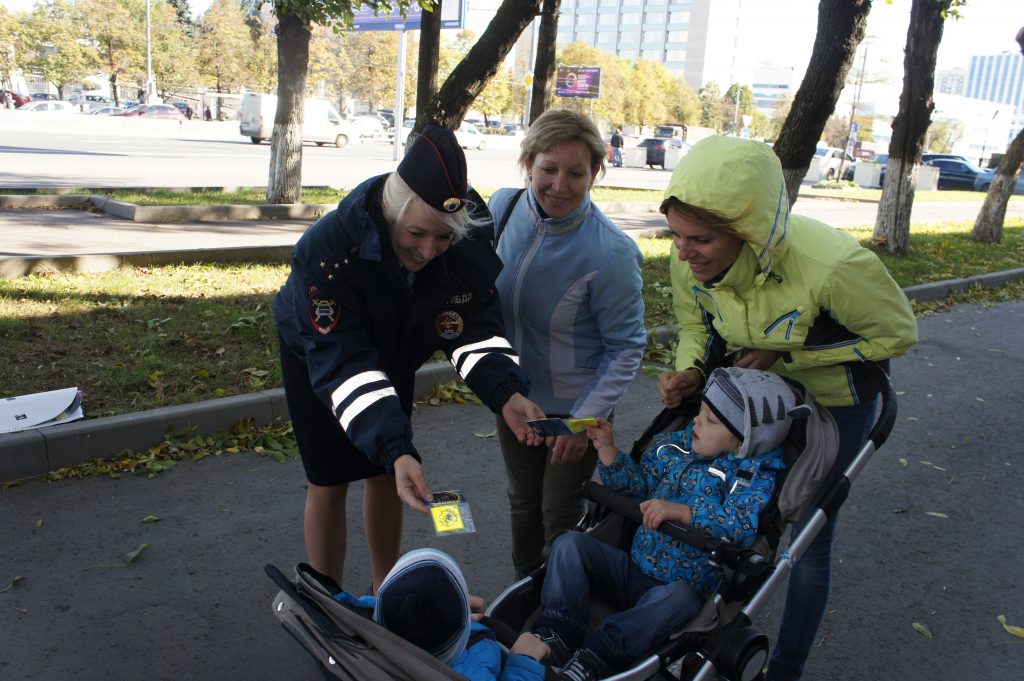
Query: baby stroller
point(721, 642)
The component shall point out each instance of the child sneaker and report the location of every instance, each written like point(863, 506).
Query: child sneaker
point(584, 666)
point(560, 652)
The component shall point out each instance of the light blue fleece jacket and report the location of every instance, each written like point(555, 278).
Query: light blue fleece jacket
point(571, 301)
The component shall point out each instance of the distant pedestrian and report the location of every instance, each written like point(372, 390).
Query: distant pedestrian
point(617, 148)
point(207, 116)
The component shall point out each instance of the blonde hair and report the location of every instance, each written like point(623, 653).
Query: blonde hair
point(397, 196)
point(555, 126)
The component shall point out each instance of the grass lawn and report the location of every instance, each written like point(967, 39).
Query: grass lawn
point(137, 339)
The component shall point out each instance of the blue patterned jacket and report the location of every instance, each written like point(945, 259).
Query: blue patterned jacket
point(726, 494)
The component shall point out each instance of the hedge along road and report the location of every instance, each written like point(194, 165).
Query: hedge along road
point(933, 541)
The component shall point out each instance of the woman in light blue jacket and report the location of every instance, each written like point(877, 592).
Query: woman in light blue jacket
point(571, 301)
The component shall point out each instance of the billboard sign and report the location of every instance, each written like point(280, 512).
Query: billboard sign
point(453, 15)
point(578, 81)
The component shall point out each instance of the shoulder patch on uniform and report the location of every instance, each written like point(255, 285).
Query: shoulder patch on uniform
point(323, 311)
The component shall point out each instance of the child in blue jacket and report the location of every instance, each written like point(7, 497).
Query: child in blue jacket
point(424, 600)
point(717, 474)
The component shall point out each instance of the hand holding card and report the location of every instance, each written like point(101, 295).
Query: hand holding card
point(556, 427)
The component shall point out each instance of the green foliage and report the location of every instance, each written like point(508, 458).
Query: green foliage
point(56, 46)
point(711, 105)
point(225, 43)
point(11, 36)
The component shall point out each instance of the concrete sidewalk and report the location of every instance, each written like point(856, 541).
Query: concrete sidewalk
point(34, 240)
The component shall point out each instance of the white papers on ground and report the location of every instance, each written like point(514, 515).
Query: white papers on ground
point(40, 409)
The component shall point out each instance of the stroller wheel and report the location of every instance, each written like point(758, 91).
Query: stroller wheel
point(744, 652)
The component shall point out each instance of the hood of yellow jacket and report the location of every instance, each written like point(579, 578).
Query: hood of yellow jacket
point(742, 180)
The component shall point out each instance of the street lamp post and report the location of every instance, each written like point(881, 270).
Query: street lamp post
point(150, 83)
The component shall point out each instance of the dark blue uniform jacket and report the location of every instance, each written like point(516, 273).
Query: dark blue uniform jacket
point(350, 313)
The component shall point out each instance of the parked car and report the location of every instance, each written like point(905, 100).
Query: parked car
point(984, 181)
point(470, 137)
point(183, 108)
point(656, 147)
point(16, 98)
point(831, 160)
point(108, 111)
point(162, 111)
point(87, 102)
point(883, 159)
point(46, 105)
point(369, 126)
point(955, 174)
point(930, 156)
point(880, 159)
point(43, 97)
point(512, 128)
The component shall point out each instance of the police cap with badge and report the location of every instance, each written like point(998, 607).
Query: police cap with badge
point(435, 168)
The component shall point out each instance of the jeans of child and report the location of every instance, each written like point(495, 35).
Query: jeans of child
point(811, 579)
point(545, 498)
point(581, 567)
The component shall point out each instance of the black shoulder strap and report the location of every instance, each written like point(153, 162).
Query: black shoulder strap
point(506, 216)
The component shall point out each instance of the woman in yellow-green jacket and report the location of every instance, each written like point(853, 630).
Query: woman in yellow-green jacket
point(782, 293)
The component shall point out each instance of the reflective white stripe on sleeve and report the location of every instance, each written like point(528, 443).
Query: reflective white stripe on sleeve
point(361, 403)
point(345, 390)
point(475, 353)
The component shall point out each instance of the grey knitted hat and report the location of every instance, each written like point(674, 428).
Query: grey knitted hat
point(756, 406)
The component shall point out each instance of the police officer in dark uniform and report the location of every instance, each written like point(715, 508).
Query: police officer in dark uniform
point(398, 271)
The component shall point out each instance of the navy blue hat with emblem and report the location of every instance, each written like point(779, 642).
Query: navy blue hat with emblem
point(435, 168)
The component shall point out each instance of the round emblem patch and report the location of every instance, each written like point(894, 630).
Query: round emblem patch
point(449, 325)
point(452, 204)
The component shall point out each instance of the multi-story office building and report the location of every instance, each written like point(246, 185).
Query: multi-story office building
point(996, 78)
point(999, 78)
point(771, 84)
point(696, 39)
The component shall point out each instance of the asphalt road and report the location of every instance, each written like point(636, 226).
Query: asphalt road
point(196, 605)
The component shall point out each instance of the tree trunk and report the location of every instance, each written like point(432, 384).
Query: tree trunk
point(449, 106)
point(892, 225)
point(430, 49)
point(285, 182)
point(988, 227)
point(841, 25)
point(544, 67)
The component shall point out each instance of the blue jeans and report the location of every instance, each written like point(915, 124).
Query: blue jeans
point(811, 579)
point(617, 156)
point(581, 567)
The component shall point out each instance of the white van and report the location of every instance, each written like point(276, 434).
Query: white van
point(321, 122)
